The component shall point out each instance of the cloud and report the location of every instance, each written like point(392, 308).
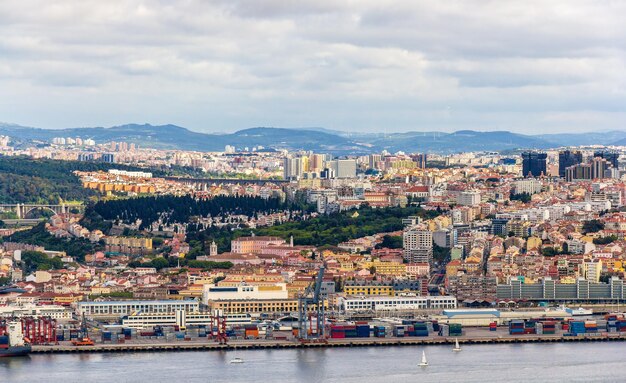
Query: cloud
point(360, 65)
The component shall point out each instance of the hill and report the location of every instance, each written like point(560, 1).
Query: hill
point(317, 139)
point(592, 138)
point(463, 140)
point(27, 180)
point(176, 137)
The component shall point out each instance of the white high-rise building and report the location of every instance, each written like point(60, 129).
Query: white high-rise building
point(527, 186)
point(344, 168)
point(418, 245)
point(469, 198)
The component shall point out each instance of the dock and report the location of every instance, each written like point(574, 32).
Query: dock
point(205, 345)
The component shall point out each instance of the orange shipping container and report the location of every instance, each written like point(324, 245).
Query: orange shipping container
point(252, 333)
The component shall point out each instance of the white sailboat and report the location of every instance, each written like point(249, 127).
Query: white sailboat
point(456, 345)
point(424, 362)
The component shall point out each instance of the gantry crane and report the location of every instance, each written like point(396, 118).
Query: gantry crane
point(311, 298)
point(83, 339)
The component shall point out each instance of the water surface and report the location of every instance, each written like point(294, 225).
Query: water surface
point(566, 362)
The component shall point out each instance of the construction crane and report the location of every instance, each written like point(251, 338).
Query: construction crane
point(311, 298)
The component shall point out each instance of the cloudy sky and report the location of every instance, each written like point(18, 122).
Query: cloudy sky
point(364, 65)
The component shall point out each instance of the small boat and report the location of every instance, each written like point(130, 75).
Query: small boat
point(424, 362)
point(456, 345)
point(236, 361)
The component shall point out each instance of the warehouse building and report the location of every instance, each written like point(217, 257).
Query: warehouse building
point(117, 309)
point(408, 303)
point(551, 291)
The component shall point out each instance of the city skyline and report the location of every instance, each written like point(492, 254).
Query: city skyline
point(305, 186)
point(366, 67)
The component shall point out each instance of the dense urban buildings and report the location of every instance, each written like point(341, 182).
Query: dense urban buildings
point(252, 235)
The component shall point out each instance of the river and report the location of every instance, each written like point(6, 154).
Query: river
point(555, 362)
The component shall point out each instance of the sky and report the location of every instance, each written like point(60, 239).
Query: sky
point(363, 66)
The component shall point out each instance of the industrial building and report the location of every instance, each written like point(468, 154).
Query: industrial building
point(181, 318)
point(550, 290)
point(378, 303)
point(117, 309)
point(213, 292)
point(483, 317)
point(56, 312)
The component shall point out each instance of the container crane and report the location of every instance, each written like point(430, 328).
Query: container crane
point(218, 327)
point(83, 339)
point(312, 298)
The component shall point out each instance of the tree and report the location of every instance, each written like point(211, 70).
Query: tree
point(592, 226)
point(157, 241)
point(36, 260)
point(390, 242)
point(28, 180)
point(605, 240)
point(159, 263)
point(551, 252)
point(38, 235)
point(524, 197)
point(441, 254)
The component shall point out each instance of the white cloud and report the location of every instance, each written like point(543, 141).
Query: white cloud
point(359, 65)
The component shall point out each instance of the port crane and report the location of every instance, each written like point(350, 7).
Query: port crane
point(311, 298)
point(217, 330)
point(83, 338)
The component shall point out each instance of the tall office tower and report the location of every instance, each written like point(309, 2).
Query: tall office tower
point(578, 172)
point(420, 159)
point(568, 158)
point(599, 166)
point(306, 164)
point(107, 157)
point(534, 164)
point(292, 168)
point(373, 160)
point(316, 162)
point(612, 157)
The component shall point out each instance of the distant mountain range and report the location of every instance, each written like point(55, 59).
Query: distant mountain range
point(317, 139)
